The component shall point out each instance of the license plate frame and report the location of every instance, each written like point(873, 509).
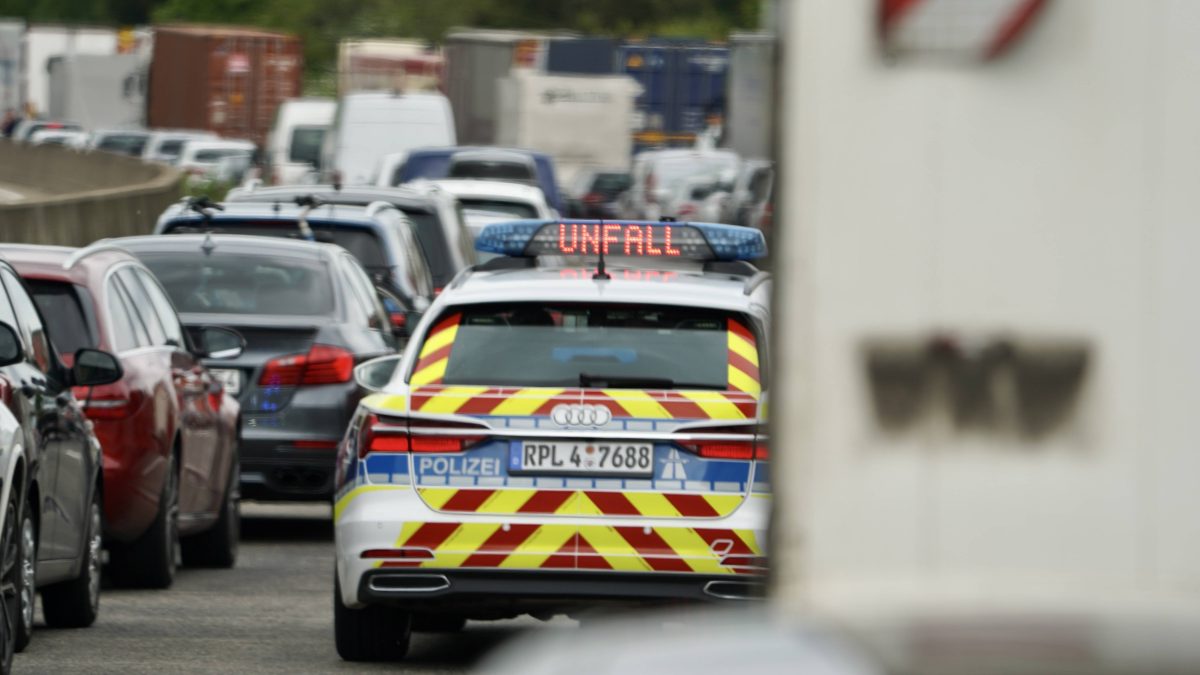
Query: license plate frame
point(558, 458)
point(230, 379)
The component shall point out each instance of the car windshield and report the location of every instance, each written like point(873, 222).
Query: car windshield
point(362, 243)
point(171, 147)
point(62, 306)
point(572, 345)
point(236, 283)
point(130, 144)
point(497, 207)
point(611, 183)
point(217, 154)
point(306, 145)
point(492, 171)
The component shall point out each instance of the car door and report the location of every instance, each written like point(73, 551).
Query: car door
point(195, 390)
point(366, 308)
point(65, 469)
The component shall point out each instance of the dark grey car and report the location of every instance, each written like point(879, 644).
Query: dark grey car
point(308, 313)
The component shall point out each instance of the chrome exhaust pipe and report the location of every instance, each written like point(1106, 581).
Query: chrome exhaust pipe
point(408, 583)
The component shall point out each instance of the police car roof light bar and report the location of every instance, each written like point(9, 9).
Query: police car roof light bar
point(645, 239)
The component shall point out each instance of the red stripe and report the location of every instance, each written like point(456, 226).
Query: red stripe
point(739, 547)
point(601, 398)
point(448, 322)
point(545, 501)
point(738, 329)
point(684, 409)
point(743, 364)
point(467, 500)
point(564, 558)
point(433, 357)
point(587, 558)
point(690, 506)
point(481, 404)
point(613, 503)
point(500, 545)
point(1012, 28)
point(561, 399)
point(419, 400)
point(651, 545)
point(431, 535)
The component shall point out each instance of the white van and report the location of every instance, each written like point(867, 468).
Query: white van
point(294, 147)
point(369, 125)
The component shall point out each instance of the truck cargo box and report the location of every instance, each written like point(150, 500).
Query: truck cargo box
point(97, 91)
point(382, 65)
point(683, 88)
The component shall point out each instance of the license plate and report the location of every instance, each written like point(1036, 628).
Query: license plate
point(583, 457)
point(229, 378)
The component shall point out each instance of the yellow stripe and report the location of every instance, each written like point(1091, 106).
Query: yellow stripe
point(439, 340)
point(355, 493)
point(751, 540)
point(386, 403)
point(431, 373)
point(714, 404)
point(652, 504)
point(506, 501)
point(638, 404)
point(525, 401)
point(407, 531)
point(743, 348)
point(743, 382)
point(461, 544)
point(571, 506)
point(544, 543)
point(613, 548)
point(724, 504)
point(585, 506)
point(436, 498)
point(692, 548)
point(450, 399)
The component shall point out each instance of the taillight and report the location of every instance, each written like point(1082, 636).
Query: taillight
point(322, 364)
point(753, 447)
point(398, 319)
point(408, 553)
point(424, 436)
point(593, 198)
point(686, 210)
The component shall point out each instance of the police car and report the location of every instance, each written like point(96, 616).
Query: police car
point(575, 423)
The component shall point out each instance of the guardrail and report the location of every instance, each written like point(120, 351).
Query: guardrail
point(78, 197)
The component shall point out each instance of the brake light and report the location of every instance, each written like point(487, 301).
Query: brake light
point(397, 553)
point(754, 447)
point(322, 364)
point(417, 436)
point(686, 210)
point(399, 319)
point(593, 198)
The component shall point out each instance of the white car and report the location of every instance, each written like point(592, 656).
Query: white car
point(164, 145)
point(202, 159)
point(658, 173)
point(369, 125)
point(65, 137)
point(131, 142)
point(485, 202)
point(561, 433)
point(294, 147)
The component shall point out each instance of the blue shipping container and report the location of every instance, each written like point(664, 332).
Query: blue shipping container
point(683, 85)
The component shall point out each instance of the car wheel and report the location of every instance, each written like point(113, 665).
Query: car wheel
point(76, 603)
point(369, 634)
point(438, 623)
point(217, 547)
point(149, 561)
point(26, 576)
point(10, 581)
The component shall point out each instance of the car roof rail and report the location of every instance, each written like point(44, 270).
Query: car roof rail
point(99, 247)
point(755, 281)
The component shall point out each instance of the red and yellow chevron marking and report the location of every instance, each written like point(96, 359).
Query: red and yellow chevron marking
point(435, 353)
point(743, 360)
point(532, 501)
point(598, 547)
point(624, 403)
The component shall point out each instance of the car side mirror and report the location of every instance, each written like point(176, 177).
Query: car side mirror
point(219, 342)
point(375, 374)
point(93, 367)
point(10, 346)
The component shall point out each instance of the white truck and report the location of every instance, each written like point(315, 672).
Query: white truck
point(987, 364)
point(43, 42)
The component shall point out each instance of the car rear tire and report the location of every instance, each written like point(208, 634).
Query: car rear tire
point(76, 603)
point(26, 572)
point(10, 580)
point(369, 634)
point(149, 561)
point(218, 546)
point(438, 623)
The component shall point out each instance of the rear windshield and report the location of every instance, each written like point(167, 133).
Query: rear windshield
point(492, 171)
point(215, 155)
point(306, 145)
point(611, 183)
point(497, 207)
point(243, 284)
point(574, 345)
point(72, 327)
point(171, 148)
point(361, 243)
point(131, 144)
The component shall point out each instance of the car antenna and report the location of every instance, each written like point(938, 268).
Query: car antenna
point(601, 270)
point(309, 202)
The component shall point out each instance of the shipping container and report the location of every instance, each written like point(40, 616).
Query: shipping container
point(750, 103)
point(44, 42)
point(10, 65)
point(475, 62)
point(388, 65)
point(226, 80)
point(98, 92)
point(683, 89)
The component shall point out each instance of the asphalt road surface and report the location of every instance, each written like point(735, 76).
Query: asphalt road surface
point(273, 613)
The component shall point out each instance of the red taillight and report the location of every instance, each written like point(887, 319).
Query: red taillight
point(399, 435)
point(686, 210)
point(593, 198)
point(398, 319)
point(397, 553)
point(753, 447)
point(109, 402)
point(322, 364)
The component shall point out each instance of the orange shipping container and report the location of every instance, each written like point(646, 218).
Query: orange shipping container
point(223, 79)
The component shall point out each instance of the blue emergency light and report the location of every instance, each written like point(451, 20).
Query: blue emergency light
point(622, 238)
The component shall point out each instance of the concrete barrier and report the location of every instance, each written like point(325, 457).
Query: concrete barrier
point(73, 198)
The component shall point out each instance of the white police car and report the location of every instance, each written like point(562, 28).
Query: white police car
point(574, 423)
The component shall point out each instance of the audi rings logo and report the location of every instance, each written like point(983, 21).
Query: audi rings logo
point(580, 415)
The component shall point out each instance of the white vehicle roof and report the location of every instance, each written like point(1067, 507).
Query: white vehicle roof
point(48, 135)
point(494, 189)
point(192, 148)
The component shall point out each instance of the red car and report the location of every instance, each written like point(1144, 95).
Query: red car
point(168, 430)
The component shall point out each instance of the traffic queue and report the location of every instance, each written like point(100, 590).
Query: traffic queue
point(511, 412)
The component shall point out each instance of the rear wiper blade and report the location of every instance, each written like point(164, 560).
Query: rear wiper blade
point(625, 381)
